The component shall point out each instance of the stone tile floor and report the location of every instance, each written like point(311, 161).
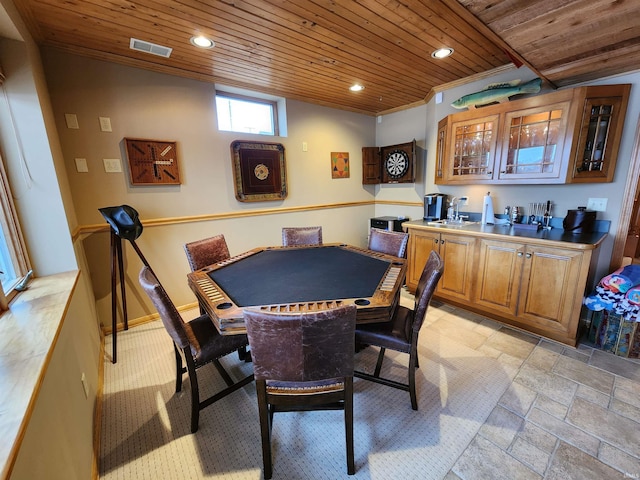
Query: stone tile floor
point(570, 413)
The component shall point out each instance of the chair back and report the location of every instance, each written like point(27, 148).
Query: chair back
point(208, 251)
point(302, 347)
point(426, 286)
point(301, 236)
point(390, 243)
point(171, 319)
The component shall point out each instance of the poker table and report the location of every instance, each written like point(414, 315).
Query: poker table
point(299, 279)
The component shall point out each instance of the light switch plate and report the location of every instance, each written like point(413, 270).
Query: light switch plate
point(72, 120)
point(597, 204)
point(105, 124)
point(81, 165)
point(112, 165)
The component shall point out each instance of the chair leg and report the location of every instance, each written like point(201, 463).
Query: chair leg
point(265, 427)
point(413, 365)
point(195, 395)
point(348, 423)
point(223, 373)
point(376, 372)
point(179, 368)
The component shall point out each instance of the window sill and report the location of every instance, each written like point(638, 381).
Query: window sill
point(28, 334)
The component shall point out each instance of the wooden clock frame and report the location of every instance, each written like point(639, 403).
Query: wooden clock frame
point(259, 171)
point(152, 162)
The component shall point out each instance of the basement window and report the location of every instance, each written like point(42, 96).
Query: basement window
point(246, 114)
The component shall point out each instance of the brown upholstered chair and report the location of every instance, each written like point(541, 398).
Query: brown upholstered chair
point(207, 251)
point(197, 341)
point(391, 243)
point(302, 361)
point(301, 236)
point(401, 333)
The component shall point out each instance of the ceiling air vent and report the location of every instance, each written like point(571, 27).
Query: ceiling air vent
point(149, 47)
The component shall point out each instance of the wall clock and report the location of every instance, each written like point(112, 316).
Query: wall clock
point(152, 162)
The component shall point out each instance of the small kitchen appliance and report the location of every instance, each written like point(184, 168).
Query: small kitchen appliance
point(579, 221)
point(435, 206)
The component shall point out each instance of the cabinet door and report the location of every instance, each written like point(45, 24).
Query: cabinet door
point(601, 124)
point(533, 144)
point(457, 253)
point(420, 245)
point(370, 166)
point(497, 279)
point(441, 150)
point(471, 150)
point(550, 292)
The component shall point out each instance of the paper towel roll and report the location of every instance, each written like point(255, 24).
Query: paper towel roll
point(487, 209)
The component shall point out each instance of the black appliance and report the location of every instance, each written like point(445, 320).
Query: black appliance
point(393, 224)
point(579, 221)
point(435, 206)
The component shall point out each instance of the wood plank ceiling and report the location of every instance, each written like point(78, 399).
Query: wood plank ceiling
point(313, 50)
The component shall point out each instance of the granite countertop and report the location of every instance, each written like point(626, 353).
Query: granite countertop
point(583, 241)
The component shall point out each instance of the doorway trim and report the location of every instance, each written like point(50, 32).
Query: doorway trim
point(627, 203)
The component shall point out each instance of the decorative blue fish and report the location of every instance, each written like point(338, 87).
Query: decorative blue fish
point(497, 92)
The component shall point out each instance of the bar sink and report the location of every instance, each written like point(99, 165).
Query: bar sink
point(450, 223)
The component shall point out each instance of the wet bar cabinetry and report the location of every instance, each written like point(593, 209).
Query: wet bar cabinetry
point(457, 252)
point(567, 136)
point(530, 283)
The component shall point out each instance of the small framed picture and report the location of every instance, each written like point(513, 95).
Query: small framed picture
point(340, 165)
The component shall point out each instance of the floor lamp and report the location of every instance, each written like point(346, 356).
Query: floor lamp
point(125, 224)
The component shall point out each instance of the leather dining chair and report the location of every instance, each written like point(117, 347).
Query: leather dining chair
point(301, 236)
point(401, 333)
point(207, 251)
point(197, 341)
point(391, 243)
point(302, 361)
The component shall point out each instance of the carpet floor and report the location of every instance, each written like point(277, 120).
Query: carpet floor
point(494, 403)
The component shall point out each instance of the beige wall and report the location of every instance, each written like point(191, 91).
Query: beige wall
point(144, 104)
point(59, 436)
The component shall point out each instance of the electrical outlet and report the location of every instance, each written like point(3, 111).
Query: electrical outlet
point(597, 204)
point(85, 385)
point(112, 165)
point(463, 201)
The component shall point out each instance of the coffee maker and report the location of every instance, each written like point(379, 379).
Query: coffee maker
point(435, 206)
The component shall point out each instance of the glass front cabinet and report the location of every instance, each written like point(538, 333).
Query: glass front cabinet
point(561, 137)
point(598, 138)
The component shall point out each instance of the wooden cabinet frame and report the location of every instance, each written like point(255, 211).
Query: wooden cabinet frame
point(575, 134)
point(535, 285)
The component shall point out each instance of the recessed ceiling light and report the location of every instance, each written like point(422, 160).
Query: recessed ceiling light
point(442, 52)
point(202, 42)
point(356, 88)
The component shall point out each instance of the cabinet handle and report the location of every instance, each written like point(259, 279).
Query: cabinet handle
point(528, 255)
point(489, 173)
point(519, 254)
point(503, 171)
point(436, 241)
